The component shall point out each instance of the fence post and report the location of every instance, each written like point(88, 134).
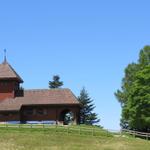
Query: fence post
point(56, 128)
point(79, 130)
point(120, 132)
point(93, 132)
point(68, 130)
point(147, 137)
point(134, 133)
point(107, 132)
point(6, 125)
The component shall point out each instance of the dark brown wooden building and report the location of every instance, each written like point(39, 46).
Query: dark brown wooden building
point(21, 105)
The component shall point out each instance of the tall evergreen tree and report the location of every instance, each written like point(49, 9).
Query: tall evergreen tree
point(134, 95)
point(87, 116)
point(56, 83)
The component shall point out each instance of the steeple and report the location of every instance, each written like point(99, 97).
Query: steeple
point(8, 73)
point(9, 81)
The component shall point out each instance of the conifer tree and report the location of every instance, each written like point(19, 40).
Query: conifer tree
point(56, 83)
point(87, 116)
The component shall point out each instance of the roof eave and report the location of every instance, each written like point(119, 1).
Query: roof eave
point(10, 78)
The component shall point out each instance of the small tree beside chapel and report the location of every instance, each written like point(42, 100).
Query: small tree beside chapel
point(87, 116)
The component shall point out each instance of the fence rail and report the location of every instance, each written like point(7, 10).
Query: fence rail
point(136, 133)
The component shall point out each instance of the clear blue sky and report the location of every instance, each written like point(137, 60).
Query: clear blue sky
point(87, 42)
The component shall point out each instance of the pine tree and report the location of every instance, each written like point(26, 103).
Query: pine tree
point(87, 116)
point(55, 83)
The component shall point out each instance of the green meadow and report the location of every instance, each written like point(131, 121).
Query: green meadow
point(13, 138)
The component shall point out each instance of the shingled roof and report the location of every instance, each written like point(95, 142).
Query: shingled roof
point(40, 97)
point(7, 72)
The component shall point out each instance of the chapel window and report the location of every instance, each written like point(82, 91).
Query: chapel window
point(28, 111)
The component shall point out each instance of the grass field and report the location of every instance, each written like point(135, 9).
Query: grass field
point(47, 139)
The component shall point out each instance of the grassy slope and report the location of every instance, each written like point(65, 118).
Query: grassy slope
point(33, 139)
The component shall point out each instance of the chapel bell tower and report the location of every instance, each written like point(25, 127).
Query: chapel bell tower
point(9, 81)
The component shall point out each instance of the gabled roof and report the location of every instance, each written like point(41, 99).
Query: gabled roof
point(7, 72)
point(40, 97)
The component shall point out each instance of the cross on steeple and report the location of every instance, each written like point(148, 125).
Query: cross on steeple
point(5, 59)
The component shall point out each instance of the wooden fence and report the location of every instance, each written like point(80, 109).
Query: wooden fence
point(78, 130)
point(137, 134)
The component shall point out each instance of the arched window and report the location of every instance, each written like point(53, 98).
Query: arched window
point(67, 117)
